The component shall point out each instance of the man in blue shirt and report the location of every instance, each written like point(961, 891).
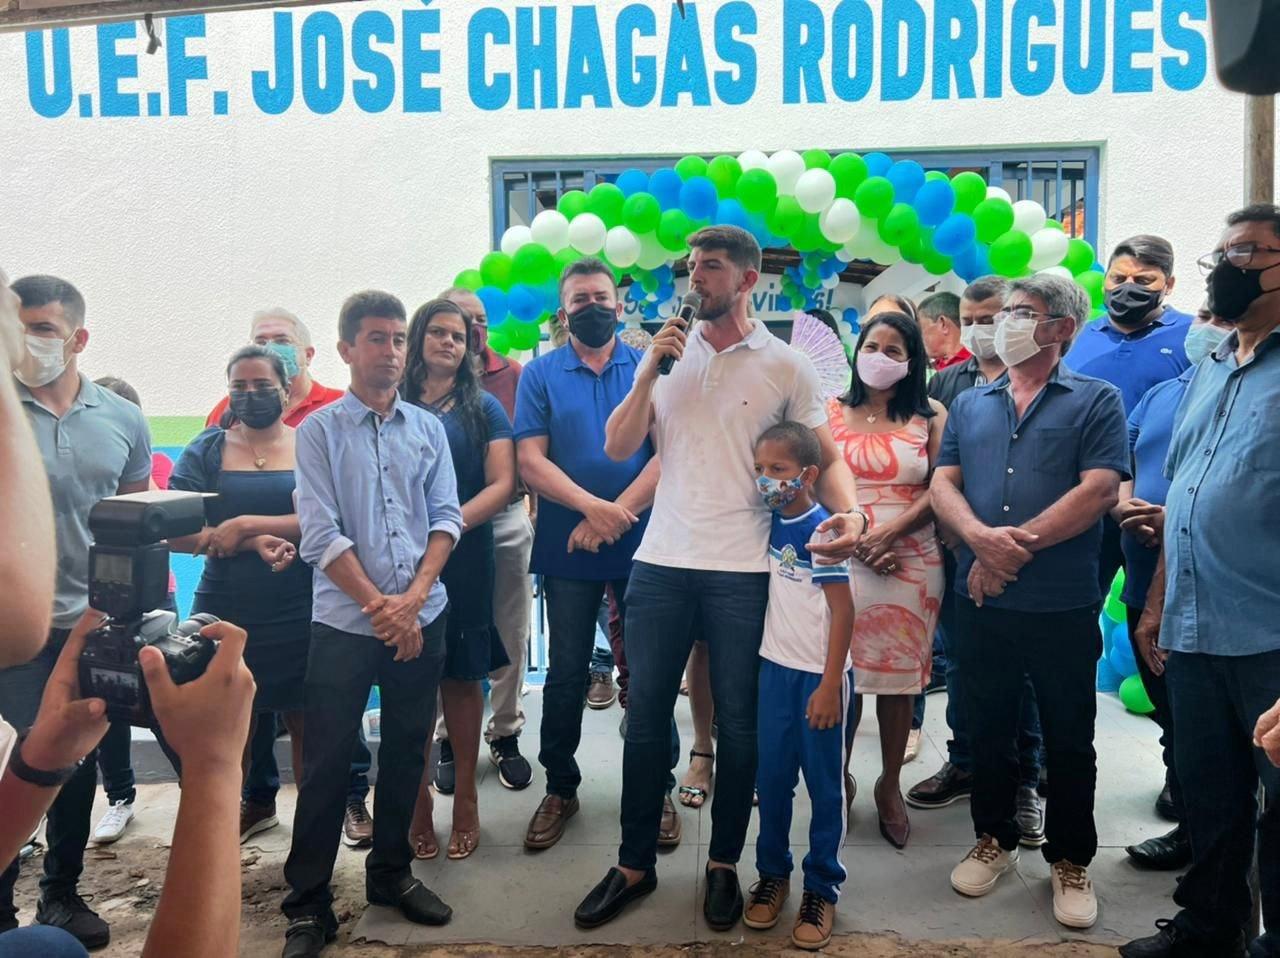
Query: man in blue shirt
point(378, 507)
point(591, 515)
point(1028, 467)
point(1212, 604)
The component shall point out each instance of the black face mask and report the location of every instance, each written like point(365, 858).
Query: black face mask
point(257, 410)
point(1129, 304)
point(1232, 290)
point(593, 324)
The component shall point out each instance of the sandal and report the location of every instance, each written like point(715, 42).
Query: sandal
point(694, 796)
point(463, 842)
point(425, 846)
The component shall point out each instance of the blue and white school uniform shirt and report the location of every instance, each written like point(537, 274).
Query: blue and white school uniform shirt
point(798, 622)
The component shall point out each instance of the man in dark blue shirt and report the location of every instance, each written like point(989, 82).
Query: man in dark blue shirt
point(591, 515)
point(1028, 467)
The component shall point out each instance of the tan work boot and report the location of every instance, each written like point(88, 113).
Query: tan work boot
point(812, 930)
point(764, 903)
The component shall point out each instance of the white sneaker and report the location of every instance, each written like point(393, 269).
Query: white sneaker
point(913, 746)
point(113, 822)
point(982, 867)
point(1074, 903)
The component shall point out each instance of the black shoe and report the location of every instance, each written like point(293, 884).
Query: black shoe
point(722, 906)
point(948, 786)
point(446, 772)
point(306, 938)
point(1030, 817)
point(1165, 807)
point(1171, 941)
point(513, 768)
point(604, 902)
point(1266, 945)
point(937, 683)
point(415, 900)
point(1163, 853)
point(72, 915)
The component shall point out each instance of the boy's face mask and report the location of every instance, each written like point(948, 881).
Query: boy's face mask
point(778, 493)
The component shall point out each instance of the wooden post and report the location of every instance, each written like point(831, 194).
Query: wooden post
point(1259, 149)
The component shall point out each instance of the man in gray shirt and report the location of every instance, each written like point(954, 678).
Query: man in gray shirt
point(94, 444)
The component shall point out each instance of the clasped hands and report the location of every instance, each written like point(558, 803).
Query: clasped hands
point(224, 540)
point(395, 622)
point(999, 555)
point(603, 522)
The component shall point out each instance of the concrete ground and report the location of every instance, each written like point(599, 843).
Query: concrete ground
point(511, 900)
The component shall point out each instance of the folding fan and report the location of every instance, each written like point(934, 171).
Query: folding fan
point(823, 347)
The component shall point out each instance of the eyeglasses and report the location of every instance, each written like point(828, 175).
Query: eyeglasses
point(1240, 255)
point(1026, 313)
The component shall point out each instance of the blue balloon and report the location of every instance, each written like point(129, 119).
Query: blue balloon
point(829, 268)
point(665, 186)
point(635, 292)
point(698, 198)
point(633, 181)
point(956, 234)
point(651, 310)
point(1121, 657)
point(907, 176)
point(525, 303)
point(1108, 679)
point(934, 202)
point(783, 303)
point(732, 213)
point(665, 292)
point(850, 316)
point(877, 164)
point(972, 263)
point(663, 274)
point(494, 301)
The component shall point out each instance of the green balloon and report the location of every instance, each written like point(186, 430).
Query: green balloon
point(816, 159)
point(937, 264)
point(874, 197)
point(606, 201)
point(848, 170)
point(526, 335)
point(970, 190)
point(787, 218)
point(758, 191)
point(649, 283)
point(724, 172)
point(1010, 253)
point(572, 203)
point(1117, 584)
point(691, 166)
point(993, 218)
point(641, 212)
point(533, 264)
point(1051, 224)
point(564, 259)
point(1134, 697)
point(900, 224)
point(1079, 256)
point(495, 270)
point(808, 239)
point(918, 247)
point(1091, 280)
point(469, 279)
point(931, 175)
point(500, 339)
point(674, 227)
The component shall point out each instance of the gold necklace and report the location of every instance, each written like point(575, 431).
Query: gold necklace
point(873, 416)
point(259, 461)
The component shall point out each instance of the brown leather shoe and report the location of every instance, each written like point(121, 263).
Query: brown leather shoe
point(547, 825)
point(357, 826)
point(812, 930)
point(669, 830)
point(601, 693)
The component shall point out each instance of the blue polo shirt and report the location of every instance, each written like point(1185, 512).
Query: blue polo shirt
point(1221, 536)
point(563, 399)
point(1015, 469)
point(1132, 361)
point(1150, 431)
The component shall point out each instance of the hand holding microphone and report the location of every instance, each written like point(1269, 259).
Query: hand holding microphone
point(670, 342)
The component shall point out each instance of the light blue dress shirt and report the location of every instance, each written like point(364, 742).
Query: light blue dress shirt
point(380, 486)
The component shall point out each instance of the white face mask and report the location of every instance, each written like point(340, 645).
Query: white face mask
point(979, 340)
point(1202, 340)
point(879, 371)
point(1015, 340)
point(44, 361)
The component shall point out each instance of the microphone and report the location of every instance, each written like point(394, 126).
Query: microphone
point(689, 307)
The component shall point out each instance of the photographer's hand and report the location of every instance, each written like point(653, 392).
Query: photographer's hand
point(67, 727)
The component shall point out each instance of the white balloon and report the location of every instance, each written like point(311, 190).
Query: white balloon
point(831, 282)
point(667, 309)
point(551, 229)
point(621, 248)
point(586, 233)
point(840, 221)
point(842, 254)
point(815, 190)
point(883, 253)
point(652, 253)
point(1048, 248)
point(996, 193)
point(1028, 216)
point(753, 160)
point(514, 238)
point(787, 166)
point(865, 241)
point(1060, 271)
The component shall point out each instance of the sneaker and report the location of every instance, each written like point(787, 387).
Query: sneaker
point(982, 867)
point(113, 822)
point(1173, 941)
point(1030, 817)
point(601, 692)
point(948, 786)
point(357, 826)
point(764, 903)
point(913, 746)
point(446, 773)
point(255, 818)
point(812, 930)
point(72, 915)
point(1074, 903)
point(514, 771)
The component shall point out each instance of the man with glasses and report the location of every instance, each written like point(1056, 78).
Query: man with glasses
point(1028, 467)
point(1207, 624)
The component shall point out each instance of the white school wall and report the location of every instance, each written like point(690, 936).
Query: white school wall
point(177, 228)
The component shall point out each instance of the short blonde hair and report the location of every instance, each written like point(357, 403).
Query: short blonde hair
point(278, 312)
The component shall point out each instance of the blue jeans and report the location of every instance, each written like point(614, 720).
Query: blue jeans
point(601, 653)
point(263, 781)
point(664, 606)
point(1215, 700)
point(40, 941)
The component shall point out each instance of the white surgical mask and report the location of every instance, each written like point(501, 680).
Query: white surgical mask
point(1202, 340)
point(44, 361)
point(879, 371)
point(1015, 340)
point(979, 340)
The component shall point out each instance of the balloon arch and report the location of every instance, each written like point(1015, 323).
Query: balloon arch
point(832, 210)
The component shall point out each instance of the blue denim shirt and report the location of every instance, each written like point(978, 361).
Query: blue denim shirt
point(381, 487)
point(1015, 469)
point(1221, 532)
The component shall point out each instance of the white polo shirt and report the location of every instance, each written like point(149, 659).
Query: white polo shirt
point(708, 414)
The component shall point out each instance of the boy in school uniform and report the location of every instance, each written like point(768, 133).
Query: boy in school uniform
point(804, 692)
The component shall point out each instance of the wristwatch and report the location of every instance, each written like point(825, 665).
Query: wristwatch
point(36, 776)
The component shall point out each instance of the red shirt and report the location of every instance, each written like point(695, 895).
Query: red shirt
point(501, 376)
point(959, 357)
point(319, 397)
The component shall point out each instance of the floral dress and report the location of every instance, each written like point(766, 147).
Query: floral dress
point(896, 614)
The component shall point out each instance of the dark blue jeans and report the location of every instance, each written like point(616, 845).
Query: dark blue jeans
point(40, 941)
point(263, 781)
point(1216, 700)
point(602, 656)
point(664, 606)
